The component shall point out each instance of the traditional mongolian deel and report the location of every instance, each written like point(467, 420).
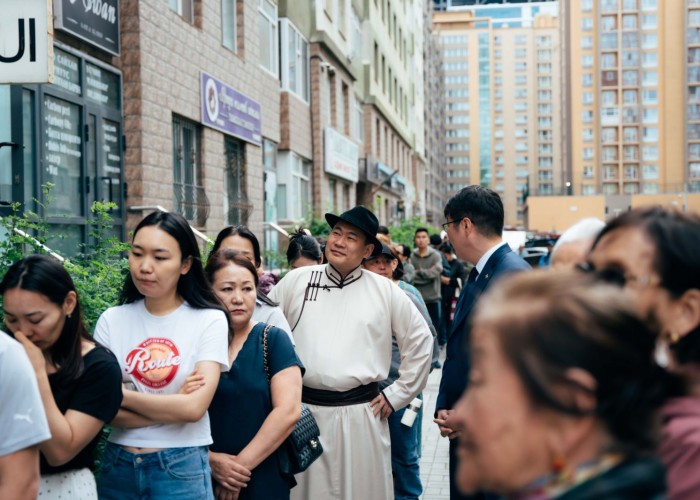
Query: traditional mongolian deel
point(343, 330)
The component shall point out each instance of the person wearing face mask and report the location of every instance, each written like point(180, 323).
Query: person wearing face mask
point(79, 380)
point(653, 254)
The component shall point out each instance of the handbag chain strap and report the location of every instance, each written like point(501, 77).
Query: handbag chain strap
point(265, 362)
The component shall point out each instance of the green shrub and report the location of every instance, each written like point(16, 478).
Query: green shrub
point(404, 232)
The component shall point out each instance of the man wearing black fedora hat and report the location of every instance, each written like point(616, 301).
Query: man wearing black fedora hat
point(344, 319)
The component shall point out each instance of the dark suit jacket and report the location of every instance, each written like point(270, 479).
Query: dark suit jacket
point(456, 367)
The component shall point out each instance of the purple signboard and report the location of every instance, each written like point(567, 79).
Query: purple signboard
point(229, 111)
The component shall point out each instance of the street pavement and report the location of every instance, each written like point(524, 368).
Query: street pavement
point(434, 464)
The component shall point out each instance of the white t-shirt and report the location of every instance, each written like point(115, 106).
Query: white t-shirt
point(22, 419)
point(157, 353)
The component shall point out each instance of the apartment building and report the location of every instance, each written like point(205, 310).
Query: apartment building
point(630, 118)
point(392, 167)
point(435, 132)
point(625, 62)
point(502, 100)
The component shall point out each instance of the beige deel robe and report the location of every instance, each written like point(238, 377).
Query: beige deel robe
point(343, 331)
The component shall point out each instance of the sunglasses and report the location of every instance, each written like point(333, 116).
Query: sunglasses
point(615, 275)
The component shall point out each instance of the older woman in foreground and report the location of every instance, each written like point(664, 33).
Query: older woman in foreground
point(563, 395)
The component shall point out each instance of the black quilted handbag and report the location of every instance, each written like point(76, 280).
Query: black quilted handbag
point(303, 445)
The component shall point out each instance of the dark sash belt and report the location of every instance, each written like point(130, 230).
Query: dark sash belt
point(361, 394)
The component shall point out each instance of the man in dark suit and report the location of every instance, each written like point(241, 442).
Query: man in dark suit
point(474, 227)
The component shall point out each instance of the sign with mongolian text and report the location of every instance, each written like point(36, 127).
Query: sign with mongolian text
point(26, 41)
point(341, 155)
point(95, 21)
point(227, 110)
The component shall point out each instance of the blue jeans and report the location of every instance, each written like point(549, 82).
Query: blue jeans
point(405, 457)
point(170, 474)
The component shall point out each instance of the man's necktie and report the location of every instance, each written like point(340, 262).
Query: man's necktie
point(473, 274)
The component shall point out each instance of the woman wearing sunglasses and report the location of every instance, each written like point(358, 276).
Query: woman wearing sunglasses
point(653, 254)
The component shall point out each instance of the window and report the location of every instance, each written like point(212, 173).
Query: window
point(649, 22)
point(648, 4)
point(650, 172)
point(630, 134)
point(630, 77)
point(237, 207)
point(608, 23)
point(650, 153)
point(588, 172)
point(586, 24)
point(650, 78)
point(587, 61)
point(358, 126)
point(189, 197)
point(586, 42)
point(650, 116)
point(649, 60)
point(295, 60)
point(630, 59)
point(629, 22)
point(610, 154)
point(649, 97)
point(608, 61)
point(650, 134)
point(267, 19)
point(650, 41)
point(588, 190)
point(631, 153)
point(609, 5)
point(609, 135)
point(228, 24)
point(185, 8)
point(295, 173)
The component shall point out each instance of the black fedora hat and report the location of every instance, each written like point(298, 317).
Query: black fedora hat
point(362, 219)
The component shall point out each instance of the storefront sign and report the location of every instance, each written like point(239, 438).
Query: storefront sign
point(95, 21)
point(341, 155)
point(26, 41)
point(227, 110)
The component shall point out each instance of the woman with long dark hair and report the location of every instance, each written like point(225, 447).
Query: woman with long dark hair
point(170, 324)
point(243, 240)
point(79, 380)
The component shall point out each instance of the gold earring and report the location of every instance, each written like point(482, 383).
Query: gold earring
point(673, 338)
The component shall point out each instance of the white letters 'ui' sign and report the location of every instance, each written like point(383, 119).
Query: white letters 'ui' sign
point(26, 41)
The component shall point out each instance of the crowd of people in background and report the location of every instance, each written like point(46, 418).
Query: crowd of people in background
point(579, 380)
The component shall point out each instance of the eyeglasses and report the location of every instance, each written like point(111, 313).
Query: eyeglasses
point(447, 224)
point(616, 276)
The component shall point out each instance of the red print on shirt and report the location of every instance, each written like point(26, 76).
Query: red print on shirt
point(154, 363)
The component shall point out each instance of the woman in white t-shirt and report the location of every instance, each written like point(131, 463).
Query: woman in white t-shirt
point(169, 324)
